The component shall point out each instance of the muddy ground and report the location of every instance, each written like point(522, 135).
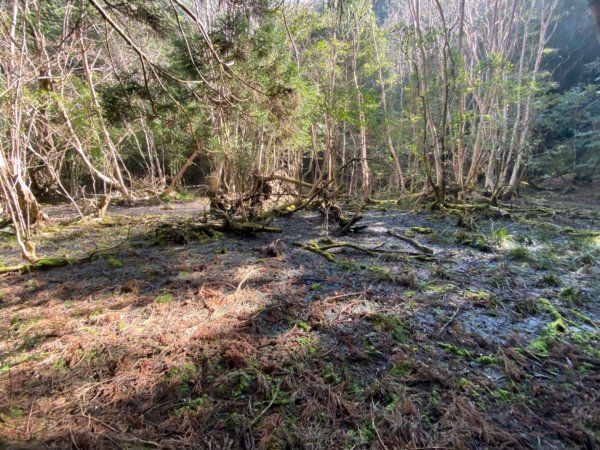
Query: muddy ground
point(206, 343)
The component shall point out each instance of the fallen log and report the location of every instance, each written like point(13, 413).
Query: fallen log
point(185, 232)
point(413, 242)
point(42, 264)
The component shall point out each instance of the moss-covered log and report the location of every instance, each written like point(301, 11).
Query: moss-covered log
point(41, 264)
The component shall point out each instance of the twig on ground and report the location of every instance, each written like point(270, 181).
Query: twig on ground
point(450, 321)
point(262, 413)
point(375, 427)
point(246, 277)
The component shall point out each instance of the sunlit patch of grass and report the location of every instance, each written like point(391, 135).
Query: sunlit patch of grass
point(19, 358)
point(502, 237)
point(185, 196)
point(12, 413)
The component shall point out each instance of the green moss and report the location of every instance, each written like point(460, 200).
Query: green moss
point(400, 369)
point(90, 330)
point(528, 307)
point(310, 344)
point(362, 437)
point(487, 360)
point(241, 383)
point(316, 287)
point(586, 319)
point(114, 262)
point(304, 326)
point(60, 365)
point(380, 273)
point(473, 240)
point(551, 334)
point(571, 294)
point(19, 358)
point(503, 395)
point(330, 376)
point(480, 295)
point(550, 308)
point(347, 264)
point(96, 313)
point(194, 404)
point(166, 297)
point(12, 413)
point(391, 324)
point(186, 373)
point(441, 289)
point(456, 350)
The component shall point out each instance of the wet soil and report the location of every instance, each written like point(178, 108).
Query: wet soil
point(491, 343)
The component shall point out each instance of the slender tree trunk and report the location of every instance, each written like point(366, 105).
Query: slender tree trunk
point(363, 154)
point(595, 8)
point(386, 125)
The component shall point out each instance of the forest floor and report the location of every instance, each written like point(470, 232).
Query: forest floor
point(493, 342)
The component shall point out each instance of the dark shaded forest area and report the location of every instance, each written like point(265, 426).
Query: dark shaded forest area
point(299, 224)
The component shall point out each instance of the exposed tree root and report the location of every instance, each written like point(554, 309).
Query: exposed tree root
point(316, 249)
point(324, 251)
